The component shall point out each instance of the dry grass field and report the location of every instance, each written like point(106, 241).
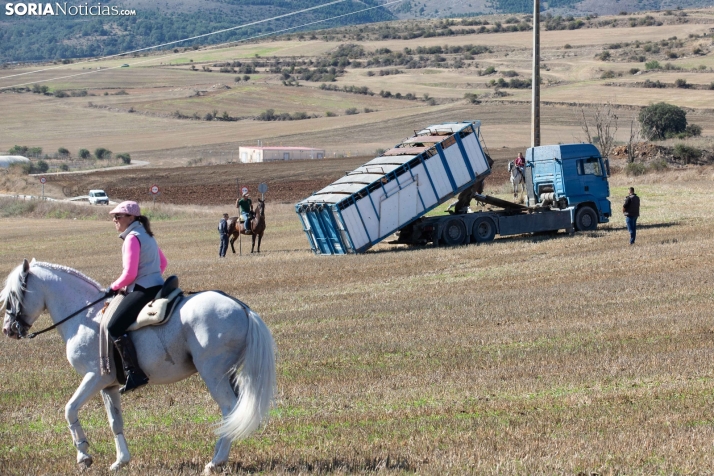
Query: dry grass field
point(529, 355)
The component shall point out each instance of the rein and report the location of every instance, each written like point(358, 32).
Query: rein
point(35, 334)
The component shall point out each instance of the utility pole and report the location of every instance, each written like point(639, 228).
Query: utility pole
point(535, 81)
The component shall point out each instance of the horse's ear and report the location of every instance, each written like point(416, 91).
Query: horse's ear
point(25, 266)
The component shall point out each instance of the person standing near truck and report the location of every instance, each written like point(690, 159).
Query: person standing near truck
point(631, 209)
point(223, 233)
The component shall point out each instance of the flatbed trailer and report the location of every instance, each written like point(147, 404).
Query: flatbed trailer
point(483, 226)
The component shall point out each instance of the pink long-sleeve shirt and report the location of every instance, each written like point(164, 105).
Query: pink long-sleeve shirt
point(131, 249)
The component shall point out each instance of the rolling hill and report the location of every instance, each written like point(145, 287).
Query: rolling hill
point(34, 38)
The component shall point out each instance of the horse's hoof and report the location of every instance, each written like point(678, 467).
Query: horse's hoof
point(85, 461)
point(211, 468)
point(117, 465)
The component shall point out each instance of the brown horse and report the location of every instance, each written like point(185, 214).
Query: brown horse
point(257, 227)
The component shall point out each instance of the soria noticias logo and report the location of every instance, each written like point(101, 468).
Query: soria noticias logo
point(53, 9)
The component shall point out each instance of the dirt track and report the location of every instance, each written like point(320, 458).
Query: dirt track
point(288, 182)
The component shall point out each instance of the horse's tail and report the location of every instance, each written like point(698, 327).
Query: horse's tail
point(254, 381)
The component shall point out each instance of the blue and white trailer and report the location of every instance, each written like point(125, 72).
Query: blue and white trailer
point(566, 186)
point(391, 191)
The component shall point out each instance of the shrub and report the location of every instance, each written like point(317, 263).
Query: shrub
point(351, 111)
point(682, 83)
point(489, 70)
point(101, 153)
point(659, 120)
point(658, 165)
point(63, 152)
point(604, 56)
point(509, 74)
point(84, 154)
point(567, 46)
point(125, 158)
point(330, 114)
point(635, 168)
point(22, 149)
point(472, 98)
point(693, 130)
point(609, 74)
point(634, 70)
point(654, 64)
point(40, 167)
point(685, 153)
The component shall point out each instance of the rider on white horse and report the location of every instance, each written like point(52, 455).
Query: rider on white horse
point(144, 263)
point(520, 162)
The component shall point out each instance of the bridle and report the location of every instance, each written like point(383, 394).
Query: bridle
point(20, 325)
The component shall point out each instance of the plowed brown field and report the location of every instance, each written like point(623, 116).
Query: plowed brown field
point(288, 182)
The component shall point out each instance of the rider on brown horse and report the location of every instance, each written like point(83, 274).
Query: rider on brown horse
point(246, 210)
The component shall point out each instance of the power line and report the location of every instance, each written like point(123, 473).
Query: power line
point(218, 45)
point(187, 39)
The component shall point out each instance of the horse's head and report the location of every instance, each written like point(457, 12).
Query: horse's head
point(260, 208)
point(22, 307)
point(510, 166)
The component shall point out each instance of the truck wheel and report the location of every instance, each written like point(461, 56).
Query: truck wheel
point(484, 230)
point(454, 232)
point(585, 219)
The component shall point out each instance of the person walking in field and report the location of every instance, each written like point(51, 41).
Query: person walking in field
point(631, 209)
point(223, 233)
point(245, 204)
point(143, 263)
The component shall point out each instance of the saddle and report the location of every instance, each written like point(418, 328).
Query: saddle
point(159, 310)
point(155, 313)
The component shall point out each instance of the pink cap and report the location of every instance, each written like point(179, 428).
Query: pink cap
point(128, 208)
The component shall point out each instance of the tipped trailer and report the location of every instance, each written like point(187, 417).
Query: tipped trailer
point(567, 189)
point(391, 191)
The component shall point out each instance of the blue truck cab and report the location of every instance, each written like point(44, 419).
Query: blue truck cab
point(570, 176)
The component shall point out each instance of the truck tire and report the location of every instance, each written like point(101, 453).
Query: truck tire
point(484, 230)
point(454, 232)
point(585, 219)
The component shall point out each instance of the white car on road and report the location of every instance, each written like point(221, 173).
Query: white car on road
point(98, 197)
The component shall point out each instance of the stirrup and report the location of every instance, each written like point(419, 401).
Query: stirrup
point(134, 380)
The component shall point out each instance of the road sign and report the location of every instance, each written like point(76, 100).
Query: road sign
point(43, 180)
point(154, 190)
point(244, 190)
point(262, 188)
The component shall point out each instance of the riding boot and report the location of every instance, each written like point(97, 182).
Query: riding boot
point(135, 377)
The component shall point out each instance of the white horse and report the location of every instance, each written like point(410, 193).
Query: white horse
point(517, 178)
point(210, 333)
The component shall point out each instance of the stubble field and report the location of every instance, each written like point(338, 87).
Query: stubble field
point(529, 355)
point(532, 355)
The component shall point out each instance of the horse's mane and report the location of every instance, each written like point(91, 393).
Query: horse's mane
point(13, 289)
point(68, 270)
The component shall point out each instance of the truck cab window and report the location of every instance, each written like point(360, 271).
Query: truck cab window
point(589, 166)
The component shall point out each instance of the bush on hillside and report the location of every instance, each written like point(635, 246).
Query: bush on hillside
point(661, 120)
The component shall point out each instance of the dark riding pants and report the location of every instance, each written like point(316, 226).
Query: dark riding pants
point(129, 308)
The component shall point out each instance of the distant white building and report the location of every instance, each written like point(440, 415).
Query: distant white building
point(269, 154)
point(7, 160)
